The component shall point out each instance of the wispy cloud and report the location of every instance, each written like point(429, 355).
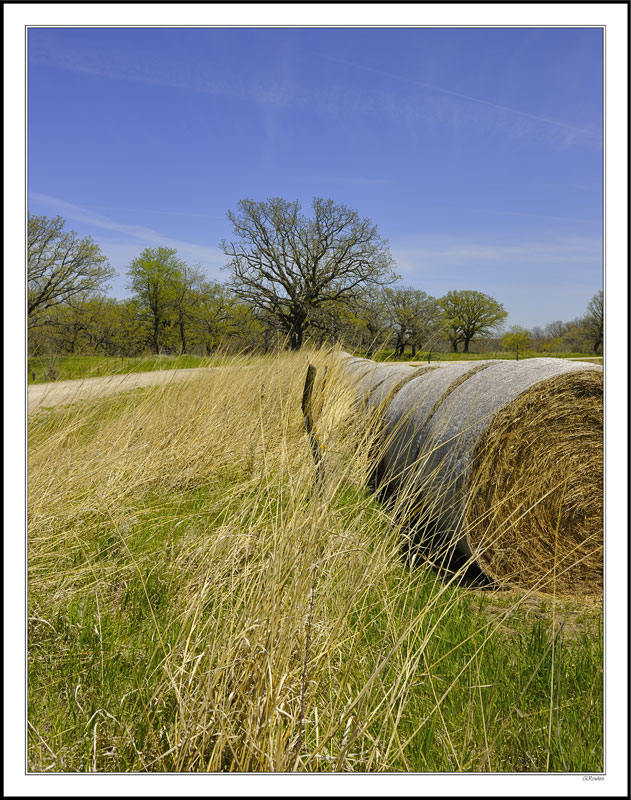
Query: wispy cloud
point(461, 96)
point(209, 258)
point(536, 280)
point(188, 75)
point(434, 251)
point(440, 263)
point(282, 90)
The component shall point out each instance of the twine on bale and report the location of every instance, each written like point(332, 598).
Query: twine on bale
point(378, 399)
point(382, 392)
point(455, 384)
point(406, 414)
point(535, 511)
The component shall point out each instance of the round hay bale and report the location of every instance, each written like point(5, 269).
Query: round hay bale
point(500, 463)
point(535, 508)
point(383, 391)
point(380, 379)
point(504, 517)
point(371, 380)
point(405, 418)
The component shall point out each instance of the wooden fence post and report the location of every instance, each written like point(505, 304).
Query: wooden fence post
point(307, 411)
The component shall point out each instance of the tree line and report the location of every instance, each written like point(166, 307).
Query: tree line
point(324, 278)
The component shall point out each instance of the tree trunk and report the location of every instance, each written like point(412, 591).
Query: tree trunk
point(183, 335)
point(413, 350)
point(455, 345)
point(295, 337)
point(156, 338)
point(466, 346)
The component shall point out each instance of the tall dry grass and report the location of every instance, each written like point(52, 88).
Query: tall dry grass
point(198, 603)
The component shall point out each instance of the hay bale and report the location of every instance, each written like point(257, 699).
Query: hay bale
point(376, 380)
point(371, 380)
point(501, 461)
point(395, 380)
point(405, 418)
point(534, 514)
point(507, 501)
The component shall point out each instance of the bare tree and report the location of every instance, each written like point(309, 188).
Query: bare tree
point(538, 336)
point(286, 265)
point(556, 329)
point(61, 266)
point(593, 321)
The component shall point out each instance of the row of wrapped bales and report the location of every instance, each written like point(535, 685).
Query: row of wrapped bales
point(497, 463)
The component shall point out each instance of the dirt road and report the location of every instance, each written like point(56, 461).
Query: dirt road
point(63, 392)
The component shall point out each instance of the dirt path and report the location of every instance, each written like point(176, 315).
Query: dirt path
point(62, 392)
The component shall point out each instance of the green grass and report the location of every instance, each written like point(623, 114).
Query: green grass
point(421, 356)
point(196, 604)
point(60, 367)
point(481, 695)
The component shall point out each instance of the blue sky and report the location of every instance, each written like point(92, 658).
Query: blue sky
point(476, 151)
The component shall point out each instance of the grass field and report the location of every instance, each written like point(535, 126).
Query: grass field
point(60, 367)
point(196, 603)
point(421, 356)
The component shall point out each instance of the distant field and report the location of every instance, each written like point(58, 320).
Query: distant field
point(64, 368)
point(388, 355)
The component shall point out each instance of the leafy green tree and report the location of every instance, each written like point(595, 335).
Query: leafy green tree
point(593, 321)
point(414, 317)
point(243, 329)
point(287, 265)
point(214, 317)
point(132, 329)
point(153, 277)
point(87, 327)
point(517, 340)
point(186, 301)
point(335, 323)
point(103, 313)
point(70, 326)
point(468, 314)
point(554, 344)
point(62, 268)
point(371, 319)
